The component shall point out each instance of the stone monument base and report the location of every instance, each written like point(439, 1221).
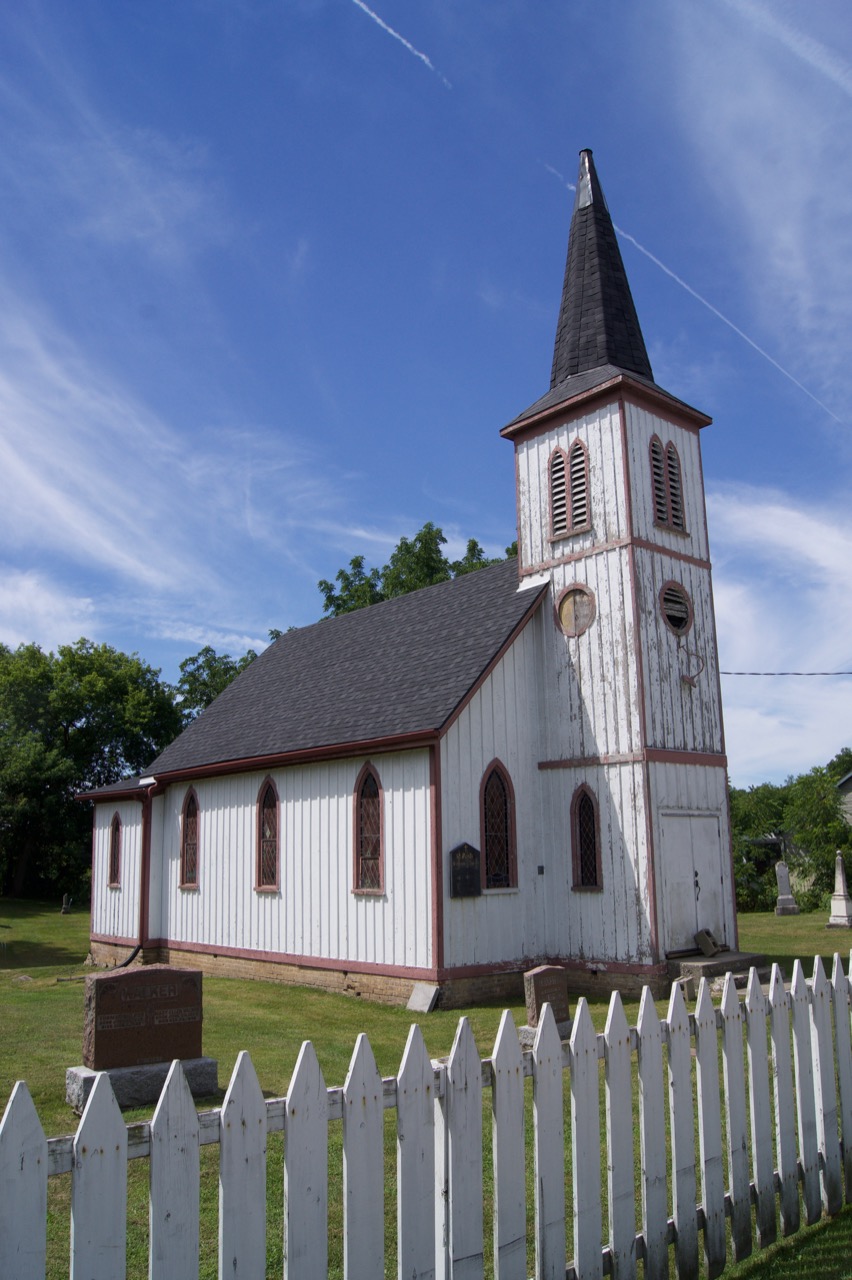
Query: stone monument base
point(786, 906)
point(140, 1086)
point(527, 1034)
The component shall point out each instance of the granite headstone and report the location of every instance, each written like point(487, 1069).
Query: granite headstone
point(139, 1016)
point(547, 983)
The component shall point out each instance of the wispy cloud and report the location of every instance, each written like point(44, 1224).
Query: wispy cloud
point(827, 62)
point(33, 607)
point(427, 62)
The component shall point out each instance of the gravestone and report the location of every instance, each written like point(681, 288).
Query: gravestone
point(136, 1022)
point(465, 872)
point(841, 903)
point(786, 904)
point(547, 983)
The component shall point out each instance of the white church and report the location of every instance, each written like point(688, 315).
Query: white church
point(522, 765)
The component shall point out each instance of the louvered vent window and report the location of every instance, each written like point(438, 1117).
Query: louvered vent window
point(115, 851)
point(579, 487)
point(677, 609)
point(587, 838)
point(675, 487)
point(369, 834)
point(189, 843)
point(497, 832)
point(658, 476)
point(558, 495)
point(267, 870)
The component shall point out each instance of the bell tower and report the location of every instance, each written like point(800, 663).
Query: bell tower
point(611, 515)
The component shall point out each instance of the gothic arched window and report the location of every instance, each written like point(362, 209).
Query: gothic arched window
point(189, 842)
point(497, 820)
point(558, 496)
point(115, 852)
point(369, 861)
point(578, 469)
point(268, 858)
point(585, 840)
point(569, 491)
point(667, 484)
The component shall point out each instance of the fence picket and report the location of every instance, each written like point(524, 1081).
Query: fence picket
point(463, 1110)
point(682, 1136)
point(763, 1167)
point(825, 1090)
point(655, 1212)
point(710, 1131)
point(733, 1073)
point(802, 1061)
point(415, 1161)
point(586, 1144)
point(843, 1050)
point(510, 1193)
point(99, 1189)
point(619, 1141)
point(549, 1142)
point(306, 1169)
point(23, 1189)
point(175, 1181)
point(782, 1079)
point(363, 1167)
point(242, 1176)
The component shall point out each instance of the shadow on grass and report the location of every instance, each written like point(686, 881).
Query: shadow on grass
point(36, 935)
point(28, 955)
point(821, 1252)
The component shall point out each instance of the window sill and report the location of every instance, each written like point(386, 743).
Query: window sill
point(188, 888)
point(671, 528)
point(587, 888)
point(570, 533)
point(509, 889)
point(267, 888)
point(114, 885)
point(368, 893)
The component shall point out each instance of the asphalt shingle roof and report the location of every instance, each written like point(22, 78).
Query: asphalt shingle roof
point(395, 668)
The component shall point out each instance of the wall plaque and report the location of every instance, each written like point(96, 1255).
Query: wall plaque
point(465, 874)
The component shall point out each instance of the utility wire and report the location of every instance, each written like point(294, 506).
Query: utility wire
point(785, 673)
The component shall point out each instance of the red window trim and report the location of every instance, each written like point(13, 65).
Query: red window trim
point(267, 888)
point(572, 526)
point(665, 452)
point(576, 866)
point(362, 891)
point(670, 582)
point(498, 766)
point(191, 885)
point(114, 856)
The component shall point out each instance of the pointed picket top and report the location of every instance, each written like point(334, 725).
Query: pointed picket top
point(799, 984)
point(616, 1030)
point(755, 1000)
point(677, 1016)
point(99, 1188)
point(705, 1013)
point(363, 1074)
point(583, 1035)
point(777, 988)
point(415, 1068)
point(547, 1046)
point(730, 1006)
point(242, 1174)
point(648, 1016)
point(175, 1181)
point(306, 1169)
point(23, 1188)
point(507, 1050)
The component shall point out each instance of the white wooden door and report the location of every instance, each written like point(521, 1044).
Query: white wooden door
point(690, 867)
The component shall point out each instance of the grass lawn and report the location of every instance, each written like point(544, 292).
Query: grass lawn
point(41, 988)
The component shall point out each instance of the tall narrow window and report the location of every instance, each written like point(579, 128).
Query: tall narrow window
point(368, 832)
point(585, 840)
point(667, 484)
point(558, 496)
point(267, 838)
point(578, 467)
point(189, 843)
point(497, 817)
point(115, 852)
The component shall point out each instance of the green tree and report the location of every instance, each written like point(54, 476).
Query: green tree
point(414, 563)
point(70, 721)
point(205, 675)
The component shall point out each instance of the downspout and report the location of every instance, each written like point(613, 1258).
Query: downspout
point(152, 788)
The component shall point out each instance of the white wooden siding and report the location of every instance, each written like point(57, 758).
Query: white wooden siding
point(115, 912)
point(640, 427)
point(314, 913)
point(600, 432)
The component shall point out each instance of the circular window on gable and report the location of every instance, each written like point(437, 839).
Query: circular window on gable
point(677, 608)
point(576, 610)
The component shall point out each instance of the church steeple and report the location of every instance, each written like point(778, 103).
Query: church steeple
point(597, 319)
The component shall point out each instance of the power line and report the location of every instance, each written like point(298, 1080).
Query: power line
point(785, 673)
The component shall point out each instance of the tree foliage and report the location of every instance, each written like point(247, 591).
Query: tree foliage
point(81, 718)
point(414, 563)
point(800, 819)
point(205, 675)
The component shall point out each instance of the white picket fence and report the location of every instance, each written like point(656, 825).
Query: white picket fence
point(785, 1092)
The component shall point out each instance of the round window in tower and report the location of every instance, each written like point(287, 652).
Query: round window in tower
point(576, 610)
point(677, 608)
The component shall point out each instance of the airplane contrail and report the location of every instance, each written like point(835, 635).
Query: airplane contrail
point(709, 305)
point(812, 52)
point(402, 40)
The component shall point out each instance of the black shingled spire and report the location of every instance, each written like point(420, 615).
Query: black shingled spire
point(597, 319)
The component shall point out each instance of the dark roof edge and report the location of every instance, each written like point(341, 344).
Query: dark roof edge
point(505, 646)
point(126, 789)
point(635, 388)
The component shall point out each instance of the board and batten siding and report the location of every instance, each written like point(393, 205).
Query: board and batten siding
point(115, 912)
point(600, 433)
point(314, 913)
point(640, 427)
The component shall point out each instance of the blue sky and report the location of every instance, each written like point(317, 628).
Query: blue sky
point(273, 275)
